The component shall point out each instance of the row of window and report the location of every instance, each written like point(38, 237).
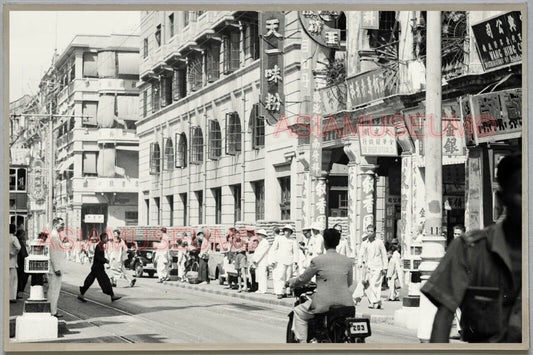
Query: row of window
point(177, 157)
point(202, 67)
point(236, 192)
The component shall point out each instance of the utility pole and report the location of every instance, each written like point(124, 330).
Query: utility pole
point(51, 165)
point(432, 243)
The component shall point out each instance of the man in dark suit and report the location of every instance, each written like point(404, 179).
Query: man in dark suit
point(334, 276)
point(98, 272)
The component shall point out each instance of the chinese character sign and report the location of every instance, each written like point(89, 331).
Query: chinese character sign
point(370, 86)
point(272, 30)
point(377, 140)
point(499, 40)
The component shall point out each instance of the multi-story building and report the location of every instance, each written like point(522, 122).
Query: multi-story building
point(92, 95)
point(19, 160)
point(208, 157)
point(202, 143)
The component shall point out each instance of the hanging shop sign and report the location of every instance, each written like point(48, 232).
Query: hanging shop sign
point(94, 218)
point(455, 134)
point(272, 30)
point(321, 26)
point(372, 85)
point(37, 184)
point(378, 140)
point(495, 116)
point(499, 40)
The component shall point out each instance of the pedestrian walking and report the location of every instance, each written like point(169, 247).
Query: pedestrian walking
point(394, 274)
point(14, 249)
point(240, 266)
point(375, 261)
point(482, 272)
point(98, 272)
point(203, 243)
point(182, 259)
point(285, 252)
point(57, 261)
point(118, 254)
point(343, 248)
point(22, 276)
point(162, 256)
point(316, 242)
point(260, 261)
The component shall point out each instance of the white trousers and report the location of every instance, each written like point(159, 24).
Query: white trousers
point(162, 269)
point(13, 281)
point(281, 274)
point(302, 315)
point(54, 286)
point(261, 278)
point(373, 292)
point(118, 271)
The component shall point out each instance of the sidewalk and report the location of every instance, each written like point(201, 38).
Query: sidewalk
point(384, 315)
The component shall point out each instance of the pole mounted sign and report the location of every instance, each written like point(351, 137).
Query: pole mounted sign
point(321, 26)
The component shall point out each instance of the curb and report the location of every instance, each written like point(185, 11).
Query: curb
point(375, 318)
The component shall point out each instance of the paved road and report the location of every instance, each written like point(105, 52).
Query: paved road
point(158, 313)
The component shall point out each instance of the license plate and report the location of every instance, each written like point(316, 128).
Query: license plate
point(359, 327)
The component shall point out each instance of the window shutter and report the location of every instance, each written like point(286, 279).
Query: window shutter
point(175, 85)
point(152, 163)
point(177, 151)
point(235, 38)
point(164, 91)
point(145, 102)
point(226, 54)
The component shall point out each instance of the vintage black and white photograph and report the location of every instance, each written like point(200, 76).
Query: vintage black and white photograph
point(220, 176)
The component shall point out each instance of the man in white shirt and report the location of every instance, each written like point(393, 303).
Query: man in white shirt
point(285, 251)
point(375, 261)
point(118, 254)
point(260, 261)
point(162, 256)
point(57, 260)
point(316, 242)
point(14, 249)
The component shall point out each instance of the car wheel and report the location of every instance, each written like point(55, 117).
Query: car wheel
point(151, 273)
point(138, 269)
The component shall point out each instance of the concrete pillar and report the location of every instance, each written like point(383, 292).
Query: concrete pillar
point(305, 191)
point(433, 242)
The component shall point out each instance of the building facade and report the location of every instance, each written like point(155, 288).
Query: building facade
point(91, 95)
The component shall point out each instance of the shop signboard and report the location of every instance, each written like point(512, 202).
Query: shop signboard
point(370, 86)
point(496, 116)
point(321, 27)
point(378, 140)
point(272, 33)
point(94, 218)
point(499, 40)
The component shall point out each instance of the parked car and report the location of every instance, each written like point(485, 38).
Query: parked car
point(141, 255)
point(215, 264)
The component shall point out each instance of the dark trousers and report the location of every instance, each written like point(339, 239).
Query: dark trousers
point(203, 271)
point(103, 280)
point(22, 279)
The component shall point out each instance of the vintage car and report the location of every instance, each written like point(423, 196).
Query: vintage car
point(215, 264)
point(141, 255)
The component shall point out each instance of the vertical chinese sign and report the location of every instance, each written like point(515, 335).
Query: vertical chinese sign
point(272, 30)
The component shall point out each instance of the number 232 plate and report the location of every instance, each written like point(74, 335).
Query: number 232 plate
point(359, 327)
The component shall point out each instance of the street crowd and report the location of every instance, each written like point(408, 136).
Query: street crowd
point(479, 265)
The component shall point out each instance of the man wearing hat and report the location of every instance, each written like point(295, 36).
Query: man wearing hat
point(303, 244)
point(203, 243)
point(285, 251)
point(316, 242)
point(260, 260)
